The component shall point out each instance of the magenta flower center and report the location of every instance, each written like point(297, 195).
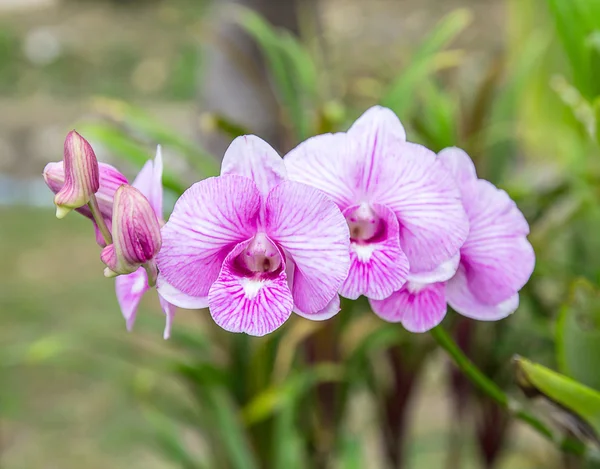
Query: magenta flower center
point(365, 225)
point(260, 257)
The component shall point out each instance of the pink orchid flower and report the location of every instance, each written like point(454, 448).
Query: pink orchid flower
point(401, 204)
point(253, 246)
point(496, 260)
point(131, 288)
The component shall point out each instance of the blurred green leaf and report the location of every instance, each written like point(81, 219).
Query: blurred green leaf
point(567, 393)
point(578, 335)
point(139, 123)
point(291, 67)
point(400, 96)
point(295, 387)
point(576, 21)
point(125, 147)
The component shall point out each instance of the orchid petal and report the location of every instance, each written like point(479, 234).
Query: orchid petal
point(245, 304)
point(463, 301)
point(379, 267)
point(312, 230)
point(425, 198)
point(324, 162)
point(459, 163)
point(330, 310)
point(418, 307)
point(497, 257)
point(209, 219)
point(169, 310)
point(149, 182)
point(177, 298)
point(441, 273)
point(252, 157)
point(130, 289)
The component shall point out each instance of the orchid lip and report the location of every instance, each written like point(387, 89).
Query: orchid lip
point(365, 225)
point(261, 259)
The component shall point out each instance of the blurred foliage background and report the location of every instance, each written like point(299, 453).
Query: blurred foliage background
point(513, 82)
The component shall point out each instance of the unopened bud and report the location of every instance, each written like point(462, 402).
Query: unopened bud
point(136, 234)
point(82, 179)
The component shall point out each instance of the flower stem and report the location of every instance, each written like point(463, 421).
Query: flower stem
point(493, 391)
point(99, 219)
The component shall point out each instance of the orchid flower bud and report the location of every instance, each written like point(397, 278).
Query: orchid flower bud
point(82, 178)
point(136, 235)
point(110, 180)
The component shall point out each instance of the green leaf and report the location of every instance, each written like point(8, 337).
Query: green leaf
point(578, 335)
point(427, 59)
point(275, 398)
point(125, 147)
point(292, 69)
point(137, 121)
point(582, 401)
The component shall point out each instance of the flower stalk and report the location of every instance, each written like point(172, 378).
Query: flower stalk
point(488, 387)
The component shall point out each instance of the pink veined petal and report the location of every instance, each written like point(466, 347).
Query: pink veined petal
point(463, 301)
point(177, 298)
point(441, 273)
point(418, 307)
point(149, 182)
point(459, 164)
point(497, 258)
point(169, 310)
point(242, 304)
point(374, 136)
point(324, 162)
point(130, 289)
point(208, 220)
point(425, 198)
point(252, 157)
point(329, 311)
point(312, 230)
point(378, 268)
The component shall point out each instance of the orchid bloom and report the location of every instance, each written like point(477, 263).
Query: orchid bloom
point(402, 206)
point(496, 260)
point(131, 288)
point(253, 246)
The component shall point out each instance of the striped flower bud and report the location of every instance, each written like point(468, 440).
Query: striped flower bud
point(136, 235)
point(82, 178)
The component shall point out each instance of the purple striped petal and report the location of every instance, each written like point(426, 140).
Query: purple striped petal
point(149, 182)
point(377, 267)
point(169, 310)
point(208, 220)
point(463, 301)
point(252, 157)
point(176, 297)
point(418, 307)
point(324, 162)
point(130, 289)
point(312, 230)
point(330, 310)
point(441, 273)
point(256, 306)
point(497, 258)
point(425, 198)
point(459, 164)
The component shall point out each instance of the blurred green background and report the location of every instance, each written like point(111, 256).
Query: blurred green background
point(513, 82)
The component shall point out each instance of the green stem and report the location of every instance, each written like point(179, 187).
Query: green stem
point(99, 219)
point(491, 389)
